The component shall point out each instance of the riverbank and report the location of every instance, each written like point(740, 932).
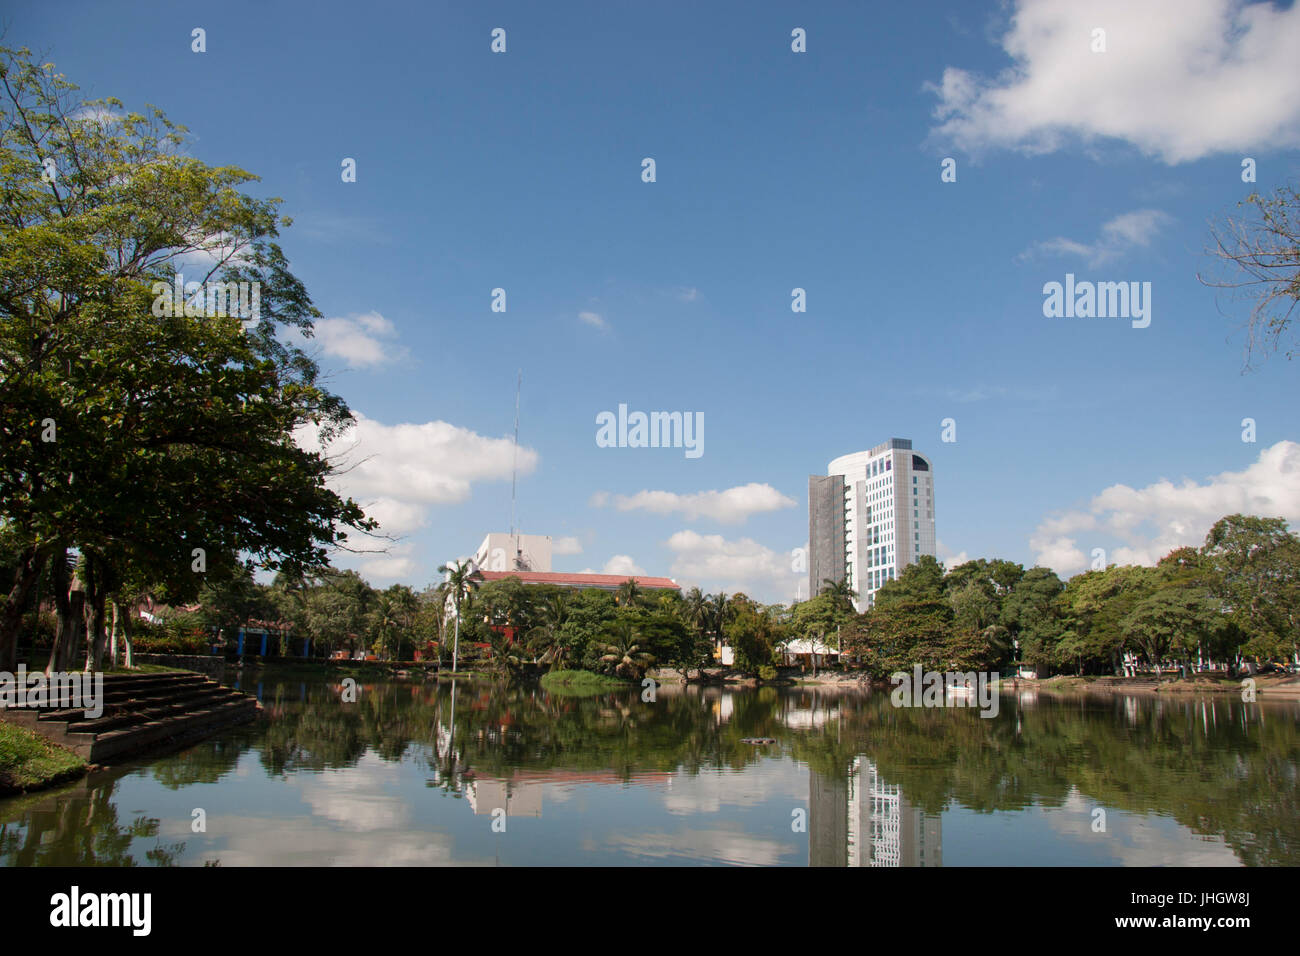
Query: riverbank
point(1272, 687)
point(30, 762)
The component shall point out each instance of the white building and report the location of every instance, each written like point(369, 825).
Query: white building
point(514, 552)
point(869, 517)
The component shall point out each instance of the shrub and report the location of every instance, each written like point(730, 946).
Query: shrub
point(170, 637)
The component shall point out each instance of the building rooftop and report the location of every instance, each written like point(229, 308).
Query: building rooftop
point(608, 581)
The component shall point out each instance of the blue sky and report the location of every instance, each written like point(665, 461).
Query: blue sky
point(775, 170)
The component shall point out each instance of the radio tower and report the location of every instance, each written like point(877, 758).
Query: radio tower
point(514, 474)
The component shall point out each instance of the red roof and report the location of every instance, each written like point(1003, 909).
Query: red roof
point(610, 581)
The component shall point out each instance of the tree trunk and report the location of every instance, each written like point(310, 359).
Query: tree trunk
point(112, 635)
point(62, 612)
point(26, 575)
point(128, 651)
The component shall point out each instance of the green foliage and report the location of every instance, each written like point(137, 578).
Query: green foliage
point(140, 403)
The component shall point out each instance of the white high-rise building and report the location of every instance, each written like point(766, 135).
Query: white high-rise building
point(870, 516)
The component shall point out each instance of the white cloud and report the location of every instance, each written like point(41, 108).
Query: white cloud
point(208, 251)
point(399, 471)
point(1177, 80)
point(594, 319)
point(362, 340)
point(688, 294)
point(398, 564)
point(99, 115)
point(1119, 236)
point(566, 546)
point(710, 562)
point(733, 506)
point(947, 558)
point(1154, 520)
point(618, 564)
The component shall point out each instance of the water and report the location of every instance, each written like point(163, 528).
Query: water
point(414, 774)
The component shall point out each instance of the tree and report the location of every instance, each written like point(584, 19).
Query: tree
point(547, 638)
point(629, 593)
point(901, 633)
point(1260, 252)
point(1172, 622)
point(622, 652)
point(841, 595)
point(1032, 614)
point(1253, 567)
point(108, 410)
point(753, 635)
point(461, 583)
point(922, 581)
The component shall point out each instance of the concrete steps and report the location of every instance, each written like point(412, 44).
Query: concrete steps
point(141, 711)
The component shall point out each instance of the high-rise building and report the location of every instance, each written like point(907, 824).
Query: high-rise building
point(870, 516)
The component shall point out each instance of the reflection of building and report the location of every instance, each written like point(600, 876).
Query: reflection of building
point(869, 517)
point(859, 820)
point(520, 795)
point(486, 796)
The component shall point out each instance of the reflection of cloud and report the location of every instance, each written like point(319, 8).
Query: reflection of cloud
point(710, 792)
point(719, 846)
point(302, 841)
point(354, 798)
point(1138, 840)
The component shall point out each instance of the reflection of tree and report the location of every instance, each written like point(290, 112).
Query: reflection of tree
point(79, 827)
point(206, 762)
point(1232, 773)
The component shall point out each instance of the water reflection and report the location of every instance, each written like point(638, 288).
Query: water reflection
point(859, 819)
point(475, 774)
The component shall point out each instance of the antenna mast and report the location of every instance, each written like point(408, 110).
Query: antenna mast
point(514, 468)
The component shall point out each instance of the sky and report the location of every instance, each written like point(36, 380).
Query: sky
point(774, 170)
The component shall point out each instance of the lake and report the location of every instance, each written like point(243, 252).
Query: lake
point(476, 774)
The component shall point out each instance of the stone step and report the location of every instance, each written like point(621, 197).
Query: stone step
point(141, 711)
point(118, 703)
point(194, 724)
point(78, 722)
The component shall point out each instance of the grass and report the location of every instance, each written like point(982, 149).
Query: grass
point(580, 682)
point(29, 761)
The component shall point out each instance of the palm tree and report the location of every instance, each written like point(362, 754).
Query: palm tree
point(552, 614)
point(695, 610)
point(462, 586)
point(629, 592)
point(841, 594)
point(623, 653)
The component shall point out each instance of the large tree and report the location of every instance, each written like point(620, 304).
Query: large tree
point(158, 442)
